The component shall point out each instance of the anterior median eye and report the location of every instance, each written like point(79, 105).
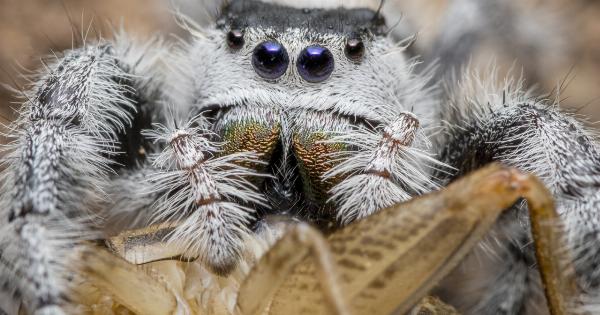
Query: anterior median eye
point(315, 63)
point(270, 60)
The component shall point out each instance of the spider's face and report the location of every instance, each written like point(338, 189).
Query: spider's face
point(279, 81)
point(268, 55)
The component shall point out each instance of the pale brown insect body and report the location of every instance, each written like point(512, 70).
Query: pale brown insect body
point(385, 263)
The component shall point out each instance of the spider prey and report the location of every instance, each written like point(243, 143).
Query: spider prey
point(306, 114)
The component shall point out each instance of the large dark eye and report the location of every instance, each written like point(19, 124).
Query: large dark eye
point(270, 60)
point(315, 63)
point(355, 49)
point(235, 39)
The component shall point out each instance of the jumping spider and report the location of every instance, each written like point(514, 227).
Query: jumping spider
point(195, 160)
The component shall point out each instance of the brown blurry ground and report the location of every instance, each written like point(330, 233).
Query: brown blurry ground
point(578, 69)
point(585, 89)
point(30, 29)
point(33, 28)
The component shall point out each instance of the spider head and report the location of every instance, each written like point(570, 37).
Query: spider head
point(272, 55)
point(317, 39)
point(279, 80)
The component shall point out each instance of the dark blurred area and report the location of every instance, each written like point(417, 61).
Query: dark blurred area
point(31, 29)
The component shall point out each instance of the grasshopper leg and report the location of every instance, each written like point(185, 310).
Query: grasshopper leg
point(301, 242)
point(388, 261)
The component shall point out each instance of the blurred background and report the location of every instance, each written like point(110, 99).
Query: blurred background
point(31, 29)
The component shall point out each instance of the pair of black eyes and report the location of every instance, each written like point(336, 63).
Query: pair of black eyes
point(270, 61)
point(315, 63)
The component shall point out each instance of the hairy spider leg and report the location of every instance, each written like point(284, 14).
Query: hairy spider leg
point(210, 197)
point(499, 121)
point(64, 148)
point(381, 167)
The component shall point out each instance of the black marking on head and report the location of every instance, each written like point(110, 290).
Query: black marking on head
point(133, 147)
point(240, 14)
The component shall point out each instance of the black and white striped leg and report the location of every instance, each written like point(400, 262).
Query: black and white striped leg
point(382, 167)
point(82, 111)
point(502, 123)
point(208, 195)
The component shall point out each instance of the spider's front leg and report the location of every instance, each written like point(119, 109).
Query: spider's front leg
point(64, 148)
point(207, 183)
point(491, 122)
point(382, 167)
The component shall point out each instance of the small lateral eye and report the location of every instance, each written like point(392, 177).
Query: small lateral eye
point(235, 39)
point(355, 49)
